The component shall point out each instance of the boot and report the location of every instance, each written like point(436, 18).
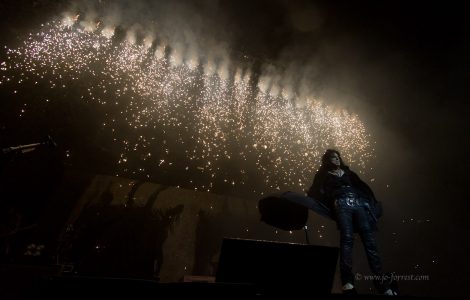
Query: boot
point(349, 289)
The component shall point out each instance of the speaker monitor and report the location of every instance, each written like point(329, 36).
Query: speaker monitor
point(277, 267)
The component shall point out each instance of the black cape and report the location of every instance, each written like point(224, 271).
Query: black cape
point(317, 201)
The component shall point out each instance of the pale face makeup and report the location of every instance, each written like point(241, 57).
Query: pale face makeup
point(334, 159)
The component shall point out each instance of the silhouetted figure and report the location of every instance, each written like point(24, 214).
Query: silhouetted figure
point(123, 240)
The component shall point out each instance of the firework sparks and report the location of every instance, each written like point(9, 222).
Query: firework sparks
point(168, 112)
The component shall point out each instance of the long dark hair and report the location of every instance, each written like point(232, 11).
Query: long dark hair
point(326, 164)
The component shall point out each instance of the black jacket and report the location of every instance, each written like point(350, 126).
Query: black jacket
point(317, 192)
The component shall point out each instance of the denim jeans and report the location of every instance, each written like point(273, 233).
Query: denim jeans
point(350, 213)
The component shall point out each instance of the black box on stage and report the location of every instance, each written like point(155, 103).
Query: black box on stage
point(276, 267)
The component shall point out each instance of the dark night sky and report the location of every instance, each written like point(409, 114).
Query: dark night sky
point(403, 66)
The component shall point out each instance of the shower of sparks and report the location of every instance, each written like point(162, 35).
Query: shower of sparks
point(171, 114)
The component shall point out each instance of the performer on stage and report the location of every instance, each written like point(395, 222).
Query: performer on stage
point(352, 204)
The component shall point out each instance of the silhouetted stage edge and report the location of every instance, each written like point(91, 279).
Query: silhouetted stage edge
point(39, 282)
point(119, 287)
point(91, 287)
